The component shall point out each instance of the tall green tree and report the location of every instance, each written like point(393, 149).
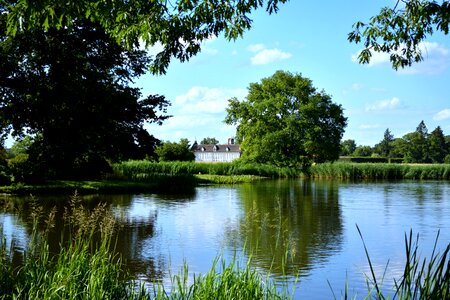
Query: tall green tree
point(363, 151)
point(399, 146)
point(172, 151)
point(385, 146)
point(416, 145)
point(437, 146)
point(348, 147)
point(209, 141)
point(400, 30)
point(285, 121)
point(71, 89)
point(179, 26)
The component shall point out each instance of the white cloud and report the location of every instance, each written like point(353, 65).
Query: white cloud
point(436, 59)
point(267, 56)
point(200, 100)
point(442, 115)
point(198, 113)
point(256, 47)
point(369, 126)
point(384, 105)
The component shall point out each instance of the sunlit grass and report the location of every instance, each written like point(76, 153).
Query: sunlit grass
point(133, 170)
point(381, 171)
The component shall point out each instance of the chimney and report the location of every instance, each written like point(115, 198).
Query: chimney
point(230, 141)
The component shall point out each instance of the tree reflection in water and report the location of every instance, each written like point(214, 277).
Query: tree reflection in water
point(129, 236)
point(288, 226)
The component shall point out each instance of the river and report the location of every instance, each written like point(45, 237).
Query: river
point(309, 224)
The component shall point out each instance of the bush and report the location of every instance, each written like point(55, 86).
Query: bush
point(363, 159)
point(20, 167)
point(447, 159)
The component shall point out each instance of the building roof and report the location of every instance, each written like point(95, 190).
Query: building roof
point(216, 148)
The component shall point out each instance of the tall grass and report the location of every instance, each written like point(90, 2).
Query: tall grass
point(421, 279)
point(136, 170)
point(227, 281)
point(380, 171)
point(85, 267)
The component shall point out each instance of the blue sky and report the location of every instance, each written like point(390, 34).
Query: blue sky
point(310, 38)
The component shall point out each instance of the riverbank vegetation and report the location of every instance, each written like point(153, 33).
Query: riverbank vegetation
point(167, 177)
point(383, 171)
point(137, 170)
point(87, 268)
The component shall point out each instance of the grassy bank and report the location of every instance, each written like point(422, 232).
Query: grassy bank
point(167, 177)
point(380, 171)
point(153, 183)
point(135, 170)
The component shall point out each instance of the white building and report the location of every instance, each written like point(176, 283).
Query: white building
point(216, 153)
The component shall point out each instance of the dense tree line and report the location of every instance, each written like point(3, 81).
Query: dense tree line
point(419, 146)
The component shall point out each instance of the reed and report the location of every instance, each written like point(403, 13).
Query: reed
point(223, 179)
point(135, 170)
point(421, 279)
point(227, 281)
point(85, 267)
point(345, 170)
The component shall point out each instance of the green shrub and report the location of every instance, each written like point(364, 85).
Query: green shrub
point(20, 167)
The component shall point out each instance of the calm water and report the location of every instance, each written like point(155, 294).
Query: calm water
point(313, 221)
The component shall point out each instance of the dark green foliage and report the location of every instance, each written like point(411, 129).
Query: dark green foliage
point(437, 147)
point(363, 151)
point(209, 141)
point(69, 89)
point(179, 26)
point(21, 169)
point(384, 148)
point(4, 177)
point(414, 147)
point(347, 147)
point(400, 31)
point(172, 151)
point(285, 121)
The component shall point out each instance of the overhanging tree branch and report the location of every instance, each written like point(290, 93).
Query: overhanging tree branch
point(400, 31)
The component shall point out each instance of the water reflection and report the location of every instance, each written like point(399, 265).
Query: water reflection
point(288, 226)
point(308, 226)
